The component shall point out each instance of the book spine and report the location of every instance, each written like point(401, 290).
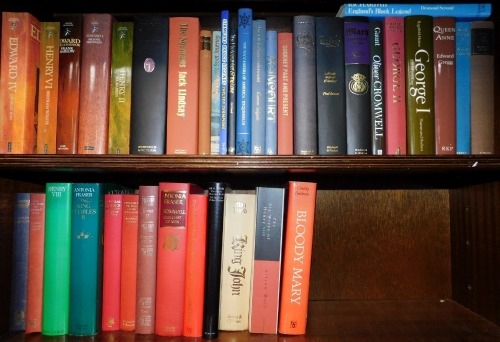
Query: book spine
point(444, 40)
point(48, 88)
point(231, 112)
point(120, 96)
point(258, 86)
point(305, 128)
point(146, 259)
point(285, 93)
point(224, 80)
point(297, 258)
point(215, 110)
point(56, 261)
point(93, 119)
point(463, 83)
point(149, 91)
point(183, 80)
point(271, 92)
point(420, 120)
point(244, 82)
point(205, 92)
point(332, 139)
point(394, 88)
point(377, 103)
point(357, 85)
point(68, 102)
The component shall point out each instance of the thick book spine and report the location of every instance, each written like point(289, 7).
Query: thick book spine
point(377, 103)
point(48, 88)
point(271, 93)
point(120, 97)
point(56, 261)
point(357, 85)
point(305, 124)
point(215, 109)
point(420, 120)
point(244, 82)
point(463, 84)
point(285, 93)
point(332, 134)
point(182, 86)
point(224, 80)
point(231, 111)
point(445, 84)
point(20, 251)
point(205, 92)
point(68, 102)
point(258, 94)
point(395, 85)
point(301, 203)
point(149, 91)
point(95, 70)
point(482, 89)
point(266, 273)
point(146, 260)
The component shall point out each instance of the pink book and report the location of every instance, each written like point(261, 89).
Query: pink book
point(285, 93)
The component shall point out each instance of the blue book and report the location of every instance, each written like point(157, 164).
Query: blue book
point(244, 82)
point(271, 92)
point(224, 81)
point(258, 86)
point(462, 11)
point(463, 70)
point(215, 113)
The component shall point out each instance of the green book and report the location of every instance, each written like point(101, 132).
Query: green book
point(56, 273)
point(121, 88)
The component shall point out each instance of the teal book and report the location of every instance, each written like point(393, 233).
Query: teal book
point(463, 69)
point(224, 80)
point(258, 94)
point(215, 117)
point(56, 269)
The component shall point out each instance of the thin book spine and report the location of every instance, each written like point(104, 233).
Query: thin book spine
point(224, 81)
point(271, 126)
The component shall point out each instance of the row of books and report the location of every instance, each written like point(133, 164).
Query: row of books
point(172, 259)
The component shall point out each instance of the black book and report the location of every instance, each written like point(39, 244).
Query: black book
point(231, 102)
point(377, 87)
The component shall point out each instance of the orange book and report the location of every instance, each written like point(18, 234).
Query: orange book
point(20, 62)
point(195, 265)
point(95, 71)
point(297, 258)
point(205, 92)
point(48, 88)
point(285, 93)
point(171, 256)
point(182, 86)
point(128, 282)
point(35, 263)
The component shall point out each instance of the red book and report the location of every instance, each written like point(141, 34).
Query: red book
point(183, 80)
point(130, 228)
point(146, 260)
point(195, 265)
point(394, 79)
point(444, 85)
point(112, 240)
point(35, 263)
point(285, 93)
point(297, 258)
point(171, 257)
point(95, 83)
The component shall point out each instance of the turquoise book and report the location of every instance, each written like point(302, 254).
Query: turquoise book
point(224, 81)
point(463, 100)
point(215, 118)
point(271, 131)
point(258, 94)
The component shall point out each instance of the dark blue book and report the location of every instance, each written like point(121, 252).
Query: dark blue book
point(271, 92)
point(258, 86)
point(231, 114)
point(224, 81)
point(463, 100)
point(377, 94)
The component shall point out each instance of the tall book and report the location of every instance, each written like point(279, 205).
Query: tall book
point(420, 120)
point(231, 101)
point(68, 102)
point(444, 48)
point(149, 79)
point(205, 92)
point(377, 99)
point(93, 119)
point(332, 133)
point(48, 87)
point(171, 256)
point(301, 203)
point(20, 63)
point(285, 93)
point(463, 75)
point(258, 86)
point(215, 107)
point(395, 85)
point(120, 97)
point(56, 260)
point(146, 260)
point(305, 121)
point(357, 85)
point(20, 251)
point(271, 126)
point(482, 89)
point(244, 82)
point(182, 86)
point(35, 263)
point(266, 273)
point(196, 239)
point(224, 80)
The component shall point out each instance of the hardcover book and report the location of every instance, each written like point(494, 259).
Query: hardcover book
point(224, 80)
point(294, 300)
point(149, 79)
point(215, 107)
point(463, 84)
point(259, 81)
point(231, 111)
point(271, 126)
point(285, 93)
point(205, 92)
point(377, 103)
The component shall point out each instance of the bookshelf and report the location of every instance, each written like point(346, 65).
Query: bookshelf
point(405, 248)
